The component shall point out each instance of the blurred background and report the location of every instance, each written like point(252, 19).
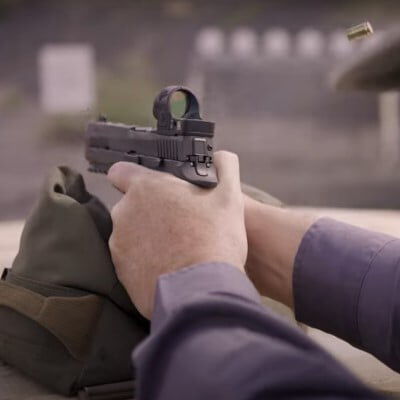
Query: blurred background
point(260, 68)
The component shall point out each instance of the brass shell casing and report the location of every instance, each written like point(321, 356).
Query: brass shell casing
point(359, 31)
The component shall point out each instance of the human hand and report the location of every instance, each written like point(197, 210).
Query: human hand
point(163, 224)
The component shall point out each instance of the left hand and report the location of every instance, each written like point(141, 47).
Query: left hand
point(163, 224)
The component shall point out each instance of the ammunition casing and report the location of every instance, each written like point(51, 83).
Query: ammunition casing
point(359, 31)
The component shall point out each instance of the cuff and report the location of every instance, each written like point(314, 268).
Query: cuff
point(378, 304)
point(197, 282)
point(330, 271)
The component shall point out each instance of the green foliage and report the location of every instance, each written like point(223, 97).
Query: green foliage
point(126, 95)
point(64, 128)
point(178, 104)
point(11, 99)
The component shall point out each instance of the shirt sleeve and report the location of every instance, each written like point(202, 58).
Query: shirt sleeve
point(212, 339)
point(346, 282)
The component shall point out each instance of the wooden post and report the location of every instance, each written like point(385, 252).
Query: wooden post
point(389, 129)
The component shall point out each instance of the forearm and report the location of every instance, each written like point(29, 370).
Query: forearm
point(212, 338)
point(337, 277)
point(274, 236)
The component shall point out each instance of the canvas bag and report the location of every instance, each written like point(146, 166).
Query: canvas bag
point(65, 320)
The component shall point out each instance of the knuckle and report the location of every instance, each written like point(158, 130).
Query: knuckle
point(116, 212)
point(114, 170)
point(173, 183)
point(134, 182)
point(142, 183)
point(115, 245)
point(112, 243)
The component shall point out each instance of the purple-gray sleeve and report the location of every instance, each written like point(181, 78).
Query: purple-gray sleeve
point(212, 339)
point(347, 282)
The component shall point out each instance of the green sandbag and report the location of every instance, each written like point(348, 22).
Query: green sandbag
point(65, 320)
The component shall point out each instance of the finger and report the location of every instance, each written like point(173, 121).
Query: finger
point(227, 165)
point(117, 211)
point(121, 174)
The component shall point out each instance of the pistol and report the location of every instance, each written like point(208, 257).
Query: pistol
point(180, 146)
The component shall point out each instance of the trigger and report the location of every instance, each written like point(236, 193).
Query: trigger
point(200, 168)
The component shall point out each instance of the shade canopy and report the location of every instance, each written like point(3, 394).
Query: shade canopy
point(374, 67)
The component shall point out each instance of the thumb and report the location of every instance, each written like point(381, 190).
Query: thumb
point(227, 165)
point(122, 173)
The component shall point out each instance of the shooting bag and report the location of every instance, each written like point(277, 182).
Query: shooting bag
point(65, 320)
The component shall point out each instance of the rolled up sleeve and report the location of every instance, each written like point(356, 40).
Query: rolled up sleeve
point(346, 282)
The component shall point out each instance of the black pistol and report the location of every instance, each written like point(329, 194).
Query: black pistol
point(181, 146)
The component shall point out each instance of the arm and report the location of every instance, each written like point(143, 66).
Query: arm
point(210, 336)
point(339, 278)
point(212, 339)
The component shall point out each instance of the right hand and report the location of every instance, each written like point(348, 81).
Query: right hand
point(163, 224)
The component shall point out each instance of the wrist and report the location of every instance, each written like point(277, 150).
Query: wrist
point(208, 254)
point(274, 236)
point(215, 258)
point(265, 265)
